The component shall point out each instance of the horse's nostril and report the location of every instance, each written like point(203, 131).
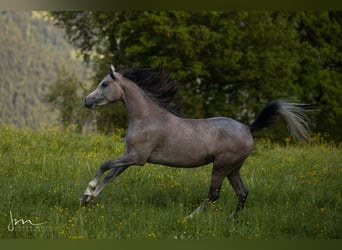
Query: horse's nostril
point(88, 104)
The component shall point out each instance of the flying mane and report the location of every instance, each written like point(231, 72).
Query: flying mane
point(157, 85)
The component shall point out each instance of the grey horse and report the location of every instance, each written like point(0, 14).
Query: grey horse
point(156, 135)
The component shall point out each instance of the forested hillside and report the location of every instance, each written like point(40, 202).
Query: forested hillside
point(32, 52)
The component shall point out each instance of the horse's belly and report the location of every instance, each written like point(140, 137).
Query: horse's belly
point(180, 157)
point(179, 163)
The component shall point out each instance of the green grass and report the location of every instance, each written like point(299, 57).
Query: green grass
point(295, 192)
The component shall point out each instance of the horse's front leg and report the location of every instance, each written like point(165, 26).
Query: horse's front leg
point(117, 166)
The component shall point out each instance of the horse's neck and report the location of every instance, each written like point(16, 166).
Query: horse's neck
point(138, 105)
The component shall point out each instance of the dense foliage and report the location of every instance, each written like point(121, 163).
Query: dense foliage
point(229, 63)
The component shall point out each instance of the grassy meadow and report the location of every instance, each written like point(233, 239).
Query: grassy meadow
point(294, 192)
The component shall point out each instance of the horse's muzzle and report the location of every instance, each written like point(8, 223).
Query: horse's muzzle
point(89, 104)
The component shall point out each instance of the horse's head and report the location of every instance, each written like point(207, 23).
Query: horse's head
point(108, 91)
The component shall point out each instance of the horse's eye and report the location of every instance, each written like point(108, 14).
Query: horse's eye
point(104, 85)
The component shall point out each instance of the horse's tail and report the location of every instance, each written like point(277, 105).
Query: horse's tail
point(293, 113)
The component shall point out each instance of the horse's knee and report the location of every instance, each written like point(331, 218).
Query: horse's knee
point(105, 166)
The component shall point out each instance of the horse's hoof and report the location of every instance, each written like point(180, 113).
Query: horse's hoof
point(86, 200)
point(83, 202)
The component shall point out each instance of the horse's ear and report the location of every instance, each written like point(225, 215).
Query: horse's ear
point(111, 72)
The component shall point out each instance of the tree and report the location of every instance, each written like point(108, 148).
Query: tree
point(66, 95)
point(321, 68)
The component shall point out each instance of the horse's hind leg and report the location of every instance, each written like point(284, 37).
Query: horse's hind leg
point(217, 178)
point(239, 188)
